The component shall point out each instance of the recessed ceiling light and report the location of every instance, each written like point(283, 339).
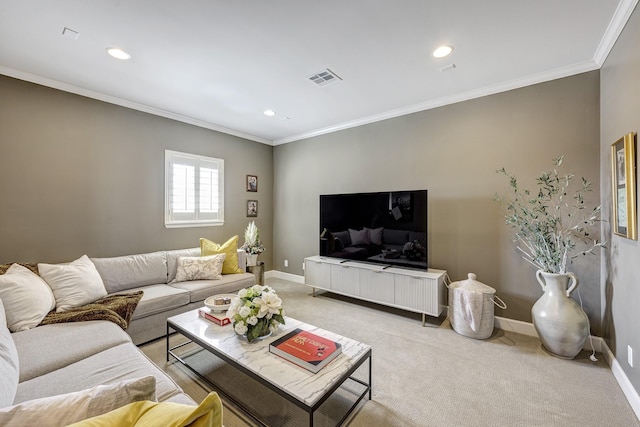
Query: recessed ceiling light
point(442, 51)
point(269, 113)
point(118, 53)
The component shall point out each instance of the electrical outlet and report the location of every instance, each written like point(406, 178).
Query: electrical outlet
point(286, 263)
point(630, 355)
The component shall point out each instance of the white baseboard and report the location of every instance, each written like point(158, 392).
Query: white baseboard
point(284, 276)
point(623, 381)
point(526, 328)
point(517, 326)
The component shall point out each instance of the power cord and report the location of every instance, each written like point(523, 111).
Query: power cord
point(593, 350)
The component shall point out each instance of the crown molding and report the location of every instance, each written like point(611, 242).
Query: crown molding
point(447, 100)
point(65, 87)
point(616, 25)
point(620, 17)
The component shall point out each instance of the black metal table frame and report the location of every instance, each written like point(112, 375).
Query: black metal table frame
point(309, 409)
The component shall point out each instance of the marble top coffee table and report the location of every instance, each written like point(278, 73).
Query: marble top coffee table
point(299, 386)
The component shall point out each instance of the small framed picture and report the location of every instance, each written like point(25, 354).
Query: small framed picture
point(252, 208)
point(623, 178)
point(252, 183)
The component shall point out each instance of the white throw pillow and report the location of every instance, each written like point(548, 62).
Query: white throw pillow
point(27, 298)
point(199, 268)
point(65, 409)
point(74, 284)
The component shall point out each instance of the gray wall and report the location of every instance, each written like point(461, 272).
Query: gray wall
point(620, 114)
point(453, 151)
point(82, 176)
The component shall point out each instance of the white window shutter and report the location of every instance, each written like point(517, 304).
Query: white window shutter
point(194, 190)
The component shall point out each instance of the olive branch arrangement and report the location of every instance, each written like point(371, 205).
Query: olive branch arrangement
point(552, 227)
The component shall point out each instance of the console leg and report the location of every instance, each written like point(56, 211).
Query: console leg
point(313, 292)
point(370, 374)
point(423, 320)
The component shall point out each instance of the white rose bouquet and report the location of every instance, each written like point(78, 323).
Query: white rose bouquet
point(256, 311)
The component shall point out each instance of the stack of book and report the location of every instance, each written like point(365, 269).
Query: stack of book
point(218, 318)
point(306, 349)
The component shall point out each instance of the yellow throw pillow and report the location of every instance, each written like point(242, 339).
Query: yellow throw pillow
point(230, 248)
point(166, 414)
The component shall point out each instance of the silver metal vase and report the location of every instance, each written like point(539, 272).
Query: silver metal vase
point(562, 325)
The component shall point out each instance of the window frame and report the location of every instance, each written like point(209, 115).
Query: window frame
point(199, 217)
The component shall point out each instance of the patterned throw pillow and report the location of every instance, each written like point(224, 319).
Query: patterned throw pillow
point(199, 268)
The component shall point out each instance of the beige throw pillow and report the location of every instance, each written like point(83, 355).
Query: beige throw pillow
point(27, 298)
point(199, 268)
point(74, 284)
point(65, 409)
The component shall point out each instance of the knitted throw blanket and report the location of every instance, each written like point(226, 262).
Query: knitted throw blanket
point(116, 308)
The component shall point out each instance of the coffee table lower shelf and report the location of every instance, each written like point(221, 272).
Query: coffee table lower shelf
point(310, 409)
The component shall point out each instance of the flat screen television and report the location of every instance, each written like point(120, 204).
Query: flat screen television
point(387, 228)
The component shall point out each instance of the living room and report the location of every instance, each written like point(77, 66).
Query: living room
point(84, 176)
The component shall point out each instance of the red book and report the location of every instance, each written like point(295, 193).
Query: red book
point(306, 349)
point(221, 319)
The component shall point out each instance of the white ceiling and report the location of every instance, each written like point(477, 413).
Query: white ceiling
point(220, 64)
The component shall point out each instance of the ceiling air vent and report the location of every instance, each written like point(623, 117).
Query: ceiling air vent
point(324, 77)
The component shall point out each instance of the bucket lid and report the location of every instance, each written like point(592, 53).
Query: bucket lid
point(472, 284)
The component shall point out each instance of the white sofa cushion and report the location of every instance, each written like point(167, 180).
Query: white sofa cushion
point(131, 271)
point(65, 409)
point(74, 284)
point(9, 366)
point(159, 298)
point(26, 297)
point(115, 364)
point(72, 341)
point(200, 290)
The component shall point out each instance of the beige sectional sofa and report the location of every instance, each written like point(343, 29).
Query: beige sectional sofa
point(153, 273)
point(61, 373)
point(50, 361)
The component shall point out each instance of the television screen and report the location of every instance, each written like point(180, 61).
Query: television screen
point(385, 227)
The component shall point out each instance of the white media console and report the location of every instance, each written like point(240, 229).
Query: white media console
point(420, 291)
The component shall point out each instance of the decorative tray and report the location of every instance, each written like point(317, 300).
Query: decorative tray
point(211, 302)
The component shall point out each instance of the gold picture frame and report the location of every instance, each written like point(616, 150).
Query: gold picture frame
point(623, 178)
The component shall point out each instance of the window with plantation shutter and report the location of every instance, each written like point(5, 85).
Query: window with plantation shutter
point(194, 190)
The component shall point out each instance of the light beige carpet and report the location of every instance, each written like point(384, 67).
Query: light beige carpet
point(427, 376)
